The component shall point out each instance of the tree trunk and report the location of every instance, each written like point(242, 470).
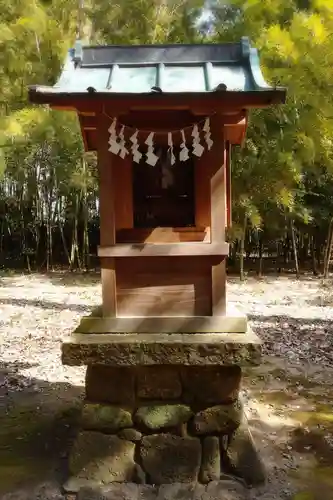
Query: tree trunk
point(2, 235)
point(241, 250)
point(260, 255)
point(85, 212)
point(313, 256)
point(328, 249)
point(86, 255)
point(74, 248)
point(293, 241)
point(28, 263)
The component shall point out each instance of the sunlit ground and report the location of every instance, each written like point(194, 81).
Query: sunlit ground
point(290, 396)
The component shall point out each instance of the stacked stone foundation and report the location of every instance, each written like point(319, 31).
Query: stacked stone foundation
point(162, 424)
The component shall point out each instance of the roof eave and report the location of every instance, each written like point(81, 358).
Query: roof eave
point(258, 77)
point(264, 97)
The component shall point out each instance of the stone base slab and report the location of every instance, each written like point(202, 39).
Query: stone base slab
point(198, 349)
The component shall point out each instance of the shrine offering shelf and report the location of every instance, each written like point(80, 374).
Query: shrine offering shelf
point(163, 235)
point(164, 250)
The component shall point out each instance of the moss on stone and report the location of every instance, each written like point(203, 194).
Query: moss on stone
point(130, 435)
point(219, 418)
point(162, 416)
point(107, 418)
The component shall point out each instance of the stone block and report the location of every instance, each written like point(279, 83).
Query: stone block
point(130, 435)
point(158, 382)
point(98, 458)
point(156, 417)
point(218, 419)
point(140, 475)
point(127, 491)
point(211, 384)
point(211, 460)
point(106, 418)
point(118, 491)
point(225, 490)
point(171, 459)
point(180, 491)
point(147, 492)
point(199, 349)
point(109, 384)
point(243, 456)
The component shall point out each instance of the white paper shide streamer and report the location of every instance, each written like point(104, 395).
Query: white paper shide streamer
point(183, 155)
point(197, 148)
point(135, 147)
point(206, 129)
point(114, 146)
point(151, 157)
point(117, 143)
point(170, 144)
point(123, 151)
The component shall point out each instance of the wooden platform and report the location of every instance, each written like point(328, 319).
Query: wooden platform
point(96, 323)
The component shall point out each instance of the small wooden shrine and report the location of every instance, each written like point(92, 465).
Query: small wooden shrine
point(163, 120)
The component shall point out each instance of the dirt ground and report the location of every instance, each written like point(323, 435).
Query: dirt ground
point(289, 397)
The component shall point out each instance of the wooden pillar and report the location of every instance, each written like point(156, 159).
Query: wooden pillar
point(107, 216)
point(202, 192)
point(218, 214)
point(228, 183)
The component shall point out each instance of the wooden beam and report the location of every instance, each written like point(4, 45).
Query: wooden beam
point(88, 121)
point(163, 235)
point(164, 250)
point(197, 102)
point(162, 121)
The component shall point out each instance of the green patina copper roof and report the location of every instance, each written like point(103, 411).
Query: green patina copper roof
point(142, 69)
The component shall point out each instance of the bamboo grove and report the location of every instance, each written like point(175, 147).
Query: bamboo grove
point(282, 178)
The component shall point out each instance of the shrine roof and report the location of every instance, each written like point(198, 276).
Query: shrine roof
point(167, 69)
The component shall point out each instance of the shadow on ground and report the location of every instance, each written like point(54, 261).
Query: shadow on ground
point(45, 304)
point(36, 428)
point(295, 414)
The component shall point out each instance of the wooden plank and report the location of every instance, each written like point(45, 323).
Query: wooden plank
point(163, 294)
point(157, 325)
point(163, 235)
point(164, 286)
point(218, 280)
point(188, 266)
point(159, 250)
point(109, 296)
point(107, 216)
